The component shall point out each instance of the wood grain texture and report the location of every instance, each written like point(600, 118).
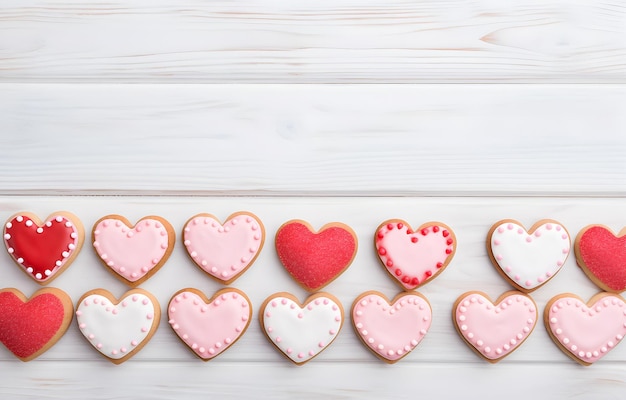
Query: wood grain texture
point(313, 139)
point(252, 365)
point(246, 41)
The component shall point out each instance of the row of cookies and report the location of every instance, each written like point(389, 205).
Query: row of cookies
point(118, 329)
point(133, 253)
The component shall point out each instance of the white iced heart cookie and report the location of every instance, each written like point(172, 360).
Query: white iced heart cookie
point(301, 332)
point(118, 329)
point(528, 259)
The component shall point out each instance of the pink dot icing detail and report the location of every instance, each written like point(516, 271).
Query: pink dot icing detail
point(494, 326)
point(391, 331)
point(215, 327)
point(223, 253)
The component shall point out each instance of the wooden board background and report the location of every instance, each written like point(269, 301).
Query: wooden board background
point(465, 112)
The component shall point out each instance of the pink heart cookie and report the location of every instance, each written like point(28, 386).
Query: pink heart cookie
point(301, 332)
point(528, 260)
point(586, 332)
point(133, 253)
point(413, 258)
point(224, 251)
point(391, 330)
point(209, 326)
point(494, 331)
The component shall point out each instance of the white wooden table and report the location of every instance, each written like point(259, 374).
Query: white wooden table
point(465, 112)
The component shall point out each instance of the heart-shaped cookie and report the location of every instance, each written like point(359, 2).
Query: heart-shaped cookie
point(314, 259)
point(494, 331)
point(530, 259)
point(209, 326)
point(43, 250)
point(224, 251)
point(586, 332)
point(301, 332)
point(602, 256)
point(391, 330)
point(29, 327)
point(133, 253)
point(413, 258)
point(118, 329)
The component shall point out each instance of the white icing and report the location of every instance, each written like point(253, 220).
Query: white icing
point(116, 328)
point(530, 260)
point(307, 336)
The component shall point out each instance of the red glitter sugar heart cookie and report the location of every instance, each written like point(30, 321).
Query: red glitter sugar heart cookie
point(602, 256)
point(208, 327)
point(314, 259)
point(133, 253)
point(43, 249)
point(118, 329)
point(29, 327)
point(391, 329)
point(414, 257)
point(586, 332)
point(225, 251)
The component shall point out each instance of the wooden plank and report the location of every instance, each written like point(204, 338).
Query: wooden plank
point(194, 380)
point(470, 269)
point(325, 140)
point(367, 41)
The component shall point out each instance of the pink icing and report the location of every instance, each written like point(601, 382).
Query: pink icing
point(224, 251)
point(131, 252)
point(391, 331)
point(413, 258)
point(495, 330)
point(588, 333)
point(209, 329)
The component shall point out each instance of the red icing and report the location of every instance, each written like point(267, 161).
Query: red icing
point(40, 251)
point(27, 327)
point(604, 256)
point(315, 259)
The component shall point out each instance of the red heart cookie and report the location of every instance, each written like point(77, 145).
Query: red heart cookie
point(43, 250)
point(29, 327)
point(314, 259)
point(413, 258)
point(602, 256)
point(133, 253)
